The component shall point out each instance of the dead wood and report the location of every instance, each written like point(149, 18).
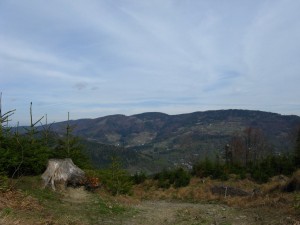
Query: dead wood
point(63, 171)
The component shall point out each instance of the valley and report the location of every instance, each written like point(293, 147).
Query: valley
point(153, 141)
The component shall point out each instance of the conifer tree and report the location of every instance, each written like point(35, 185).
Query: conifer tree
point(117, 180)
point(6, 159)
point(69, 146)
point(4, 119)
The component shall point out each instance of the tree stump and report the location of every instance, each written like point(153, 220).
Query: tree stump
point(62, 172)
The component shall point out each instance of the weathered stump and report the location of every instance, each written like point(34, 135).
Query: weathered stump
point(62, 172)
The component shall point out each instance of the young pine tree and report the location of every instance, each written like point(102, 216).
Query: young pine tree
point(117, 180)
point(69, 146)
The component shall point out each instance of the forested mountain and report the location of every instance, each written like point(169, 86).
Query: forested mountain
point(157, 140)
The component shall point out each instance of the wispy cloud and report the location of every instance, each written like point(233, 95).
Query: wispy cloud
point(104, 57)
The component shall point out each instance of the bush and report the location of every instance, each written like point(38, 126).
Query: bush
point(203, 168)
point(4, 182)
point(260, 171)
point(177, 177)
point(272, 166)
point(139, 178)
point(260, 176)
point(181, 178)
point(116, 180)
point(207, 168)
point(163, 179)
point(21, 156)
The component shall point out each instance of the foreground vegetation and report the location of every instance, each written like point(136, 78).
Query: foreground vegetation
point(149, 204)
point(30, 204)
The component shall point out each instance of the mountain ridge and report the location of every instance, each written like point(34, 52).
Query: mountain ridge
point(165, 140)
point(124, 130)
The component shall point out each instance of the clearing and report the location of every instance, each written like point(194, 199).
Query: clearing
point(33, 205)
point(162, 212)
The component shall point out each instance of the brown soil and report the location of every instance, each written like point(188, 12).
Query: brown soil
point(162, 212)
point(78, 195)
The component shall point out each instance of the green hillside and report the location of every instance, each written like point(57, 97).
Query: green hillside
point(152, 141)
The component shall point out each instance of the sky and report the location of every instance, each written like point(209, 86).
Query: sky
point(94, 58)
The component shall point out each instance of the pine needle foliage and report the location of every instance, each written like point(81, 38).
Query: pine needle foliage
point(69, 146)
point(27, 153)
point(117, 180)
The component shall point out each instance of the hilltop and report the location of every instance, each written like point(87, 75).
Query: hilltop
point(154, 140)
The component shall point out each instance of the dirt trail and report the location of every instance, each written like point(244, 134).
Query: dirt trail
point(182, 213)
point(173, 213)
point(78, 195)
point(161, 212)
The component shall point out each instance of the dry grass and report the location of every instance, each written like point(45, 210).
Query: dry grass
point(199, 191)
point(275, 184)
point(271, 205)
point(119, 199)
point(18, 200)
point(47, 207)
point(33, 205)
point(8, 221)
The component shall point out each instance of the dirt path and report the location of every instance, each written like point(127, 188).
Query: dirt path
point(153, 212)
point(79, 195)
point(173, 213)
point(182, 213)
point(177, 213)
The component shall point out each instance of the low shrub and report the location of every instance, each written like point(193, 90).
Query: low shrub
point(139, 177)
point(4, 182)
point(115, 179)
point(177, 177)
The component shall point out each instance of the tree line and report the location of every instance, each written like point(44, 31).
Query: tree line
point(248, 154)
point(26, 150)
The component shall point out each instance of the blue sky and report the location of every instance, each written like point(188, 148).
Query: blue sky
point(100, 57)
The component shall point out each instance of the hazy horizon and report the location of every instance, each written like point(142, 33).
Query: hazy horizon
point(15, 123)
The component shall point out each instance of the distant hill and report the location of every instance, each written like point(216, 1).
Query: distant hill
point(165, 140)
